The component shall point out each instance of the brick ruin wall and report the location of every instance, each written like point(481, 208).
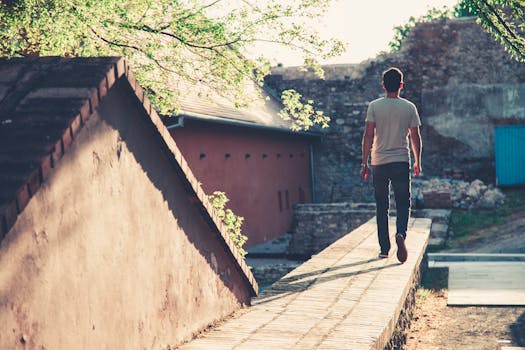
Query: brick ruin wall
point(462, 81)
point(316, 226)
point(337, 157)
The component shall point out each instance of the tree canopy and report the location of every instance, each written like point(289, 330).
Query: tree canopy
point(504, 19)
point(202, 42)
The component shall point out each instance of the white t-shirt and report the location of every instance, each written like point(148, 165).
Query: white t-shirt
point(393, 117)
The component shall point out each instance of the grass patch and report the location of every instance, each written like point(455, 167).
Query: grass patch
point(433, 283)
point(473, 225)
point(422, 294)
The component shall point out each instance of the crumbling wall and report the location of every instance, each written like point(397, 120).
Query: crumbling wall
point(460, 78)
point(316, 226)
point(337, 158)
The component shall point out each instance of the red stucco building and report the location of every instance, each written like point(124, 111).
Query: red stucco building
point(249, 153)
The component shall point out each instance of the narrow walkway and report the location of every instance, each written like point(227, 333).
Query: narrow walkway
point(342, 298)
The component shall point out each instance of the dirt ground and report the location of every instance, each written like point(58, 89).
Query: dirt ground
point(438, 326)
point(508, 238)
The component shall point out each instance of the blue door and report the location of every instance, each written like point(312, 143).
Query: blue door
point(510, 155)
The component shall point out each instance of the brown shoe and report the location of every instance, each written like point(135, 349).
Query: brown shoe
point(402, 253)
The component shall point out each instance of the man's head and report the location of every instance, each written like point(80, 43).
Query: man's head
point(392, 79)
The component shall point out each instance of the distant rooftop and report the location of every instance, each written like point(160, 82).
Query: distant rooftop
point(263, 109)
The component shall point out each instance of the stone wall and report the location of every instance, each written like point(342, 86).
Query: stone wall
point(469, 112)
point(316, 226)
point(337, 158)
point(399, 336)
point(461, 80)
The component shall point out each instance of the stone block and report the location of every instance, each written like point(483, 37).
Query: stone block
point(438, 230)
point(318, 225)
point(435, 199)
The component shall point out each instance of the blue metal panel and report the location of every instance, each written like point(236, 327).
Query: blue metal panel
point(510, 155)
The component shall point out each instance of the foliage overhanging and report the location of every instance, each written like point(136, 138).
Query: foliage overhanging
point(172, 40)
point(504, 19)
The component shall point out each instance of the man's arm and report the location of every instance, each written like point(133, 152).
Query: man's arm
point(415, 140)
point(368, 139)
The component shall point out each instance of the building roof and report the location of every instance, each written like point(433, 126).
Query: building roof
point(262, 111)
point(44, 102)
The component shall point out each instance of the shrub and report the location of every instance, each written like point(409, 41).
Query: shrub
point(232, 222)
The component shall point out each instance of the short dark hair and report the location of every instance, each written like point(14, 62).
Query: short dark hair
point(392, 79)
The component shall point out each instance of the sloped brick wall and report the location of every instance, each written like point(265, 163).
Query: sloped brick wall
point(113, 251)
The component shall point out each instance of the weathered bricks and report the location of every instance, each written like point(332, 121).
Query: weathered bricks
point(316, 226)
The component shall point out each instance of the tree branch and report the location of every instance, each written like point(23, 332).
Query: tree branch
point(136, 48)
point(198, 46)
point(281, 42)
point(500, 20)
point(199, 10)
point(143, 15)
point(501, 34)
point(229, 61)
point(182, 40)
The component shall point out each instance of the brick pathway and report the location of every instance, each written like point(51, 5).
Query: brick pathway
point(342, 298)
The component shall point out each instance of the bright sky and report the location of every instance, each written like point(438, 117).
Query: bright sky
point(365, 25)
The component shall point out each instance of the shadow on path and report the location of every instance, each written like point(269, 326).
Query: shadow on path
point(299, 283)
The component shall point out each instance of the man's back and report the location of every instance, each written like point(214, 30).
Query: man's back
point(392, 117)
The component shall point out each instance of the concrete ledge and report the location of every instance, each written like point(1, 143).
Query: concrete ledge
point(342, 298)
point(439, 257)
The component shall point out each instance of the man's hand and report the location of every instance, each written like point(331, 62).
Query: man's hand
point(368, 139)
point(365, 172)
point(415, 140)
point(417, 169)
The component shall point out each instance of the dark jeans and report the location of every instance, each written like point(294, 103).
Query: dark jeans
point(399, 175)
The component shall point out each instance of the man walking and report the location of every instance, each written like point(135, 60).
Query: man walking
point(390, 120)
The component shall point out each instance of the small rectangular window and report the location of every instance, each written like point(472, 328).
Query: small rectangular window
point(301, 195)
